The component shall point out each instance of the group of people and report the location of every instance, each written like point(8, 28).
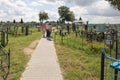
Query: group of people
point(47, 29)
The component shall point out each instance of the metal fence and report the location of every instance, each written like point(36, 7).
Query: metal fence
point(4, 63)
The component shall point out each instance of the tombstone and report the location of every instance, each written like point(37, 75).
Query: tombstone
point(109, 39)
point(26, 30)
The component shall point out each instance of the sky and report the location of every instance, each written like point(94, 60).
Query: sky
point(94, 11)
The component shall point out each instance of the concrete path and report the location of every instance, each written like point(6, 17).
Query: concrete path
point(43, 64)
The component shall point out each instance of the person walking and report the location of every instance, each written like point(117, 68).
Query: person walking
point(43, 30)
point(50, 25)
point(48, 30)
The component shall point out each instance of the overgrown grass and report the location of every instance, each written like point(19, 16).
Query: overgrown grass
point(18, 58)
point(77, 65)
point(80, 43)
point(80, 60)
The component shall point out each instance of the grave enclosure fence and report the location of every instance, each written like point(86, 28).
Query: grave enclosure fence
point(4, 53)
point(85, 41)
point(77, 39)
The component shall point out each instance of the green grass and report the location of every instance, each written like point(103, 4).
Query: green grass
point(79, 43)
point(77, 65)
point(18, 58)
point(81, 63)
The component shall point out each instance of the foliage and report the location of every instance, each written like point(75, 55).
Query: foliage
point(66, 14)
point(80, 59)
point(115, 3)
point(70, 16)
point(18, 58)
point(80, 43)
point(43, 16)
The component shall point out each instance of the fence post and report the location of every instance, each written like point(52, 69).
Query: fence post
point(27, 30)
point(60, 32)
point(55, 36)
point(22, 29)
point(116, 71)
point(9, 59)
point(3, 38)
point(62, 37)
point(76, 33)
point(102, 64)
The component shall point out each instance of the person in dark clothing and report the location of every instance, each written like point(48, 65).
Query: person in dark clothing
point(73, 27)
point(68, 28)
point(48, 29)
point(86, 28)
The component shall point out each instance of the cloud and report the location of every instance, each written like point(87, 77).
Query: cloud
point(2, 14)
point(51, 0)
point(53, 15)
point(46, 2)
point(35, 4)
point(20, 3)
point(60, 3)
point(16, 8)
point(102, 8)
point(83, 2)
point(79, 11)
point(96, 11)
point(6, 3)
point(32, 16)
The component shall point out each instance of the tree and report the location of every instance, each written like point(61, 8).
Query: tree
point(21, 20)
point(80, 18)
point(70, 16)
point(115, 3)
point(14, 21)
point(8, 21)
point(43, 16)
point(65, 14)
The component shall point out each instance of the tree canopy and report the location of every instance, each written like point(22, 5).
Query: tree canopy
point(65, 13)
point(43, 16)
point(21, 21)
point(115, 3)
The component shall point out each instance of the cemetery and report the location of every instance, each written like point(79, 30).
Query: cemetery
point(8, 34)
point(92, 46)
point(70, 46)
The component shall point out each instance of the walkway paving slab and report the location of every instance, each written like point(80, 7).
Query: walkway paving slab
point(43, 64)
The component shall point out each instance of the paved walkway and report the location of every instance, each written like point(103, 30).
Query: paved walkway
point(43, 64)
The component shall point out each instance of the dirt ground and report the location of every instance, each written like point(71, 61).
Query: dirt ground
point(30, 49)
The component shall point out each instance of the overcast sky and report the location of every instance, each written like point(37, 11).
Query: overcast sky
point(95, 11)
